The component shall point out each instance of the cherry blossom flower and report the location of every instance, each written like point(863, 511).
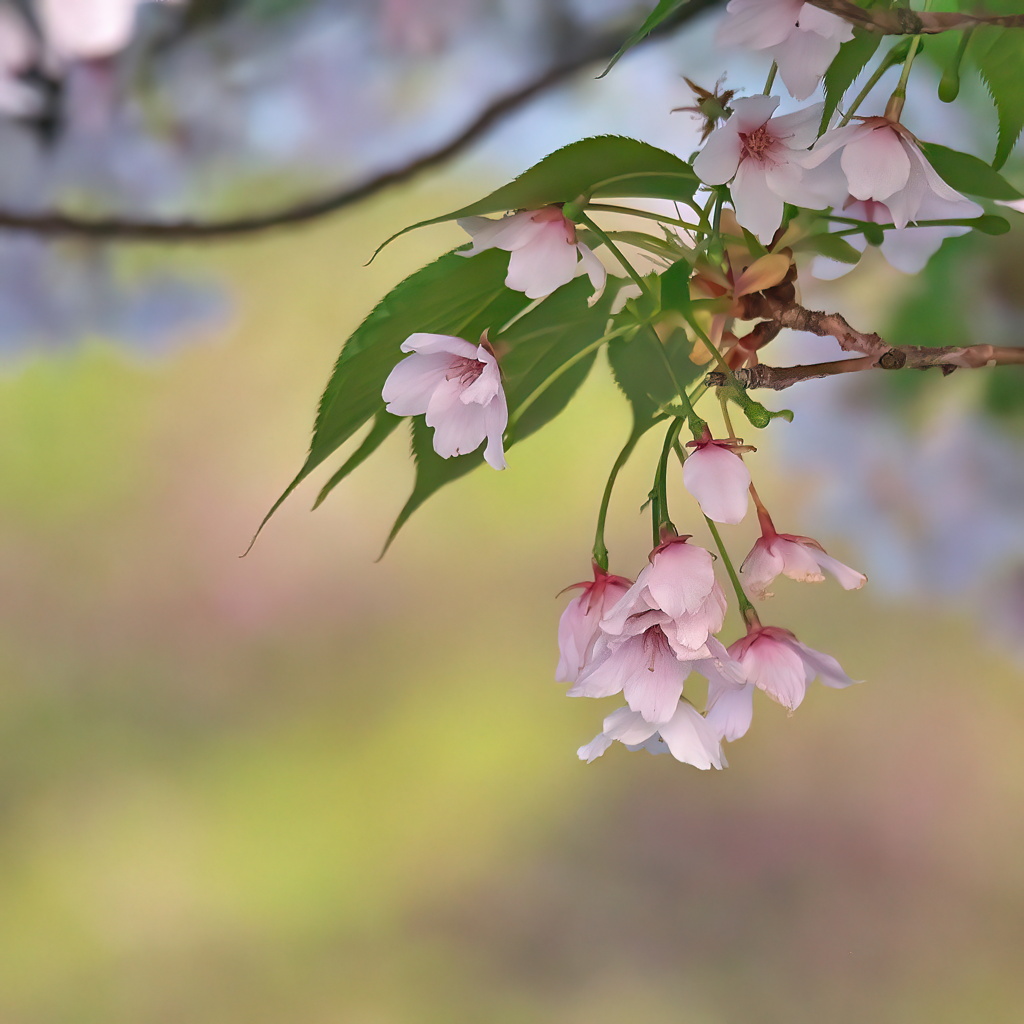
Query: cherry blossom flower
point(544, 251)
point(882, 161)
point(775, 661)
point(678, 586)
point(458, 386)
point(717, 477)
point(799, 558)
point(579, 626)
point(803, 40)
point(764, 158)
point(908, 249)
point(686, 736)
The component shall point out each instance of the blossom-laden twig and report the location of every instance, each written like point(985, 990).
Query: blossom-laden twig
point(901, 21)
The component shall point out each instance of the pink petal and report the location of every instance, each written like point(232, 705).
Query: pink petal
point(679, 578)
point(751, 112)
point(691, 740)
point(730, 710)
point(848, 579)
point(755, 24)
point(716, 163)
point(594, 269)
point(719, 481)
point(799, 561)
point(824, 666)
point(655, 687)
point(495, 422)
point(430, 343)
point(410, 384)
point(775, 667)
point(826, 24)
point(757, 207)
point(759, 569)
point(548, 262)
point(458, 428)
point(876, 165)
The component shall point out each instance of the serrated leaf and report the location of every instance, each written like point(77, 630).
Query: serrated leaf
point(642, 376)
point(999, 53)
point(453, 295)
point(557, 335)
point(603, 167)
point(383, 426)
point(852, 58)
point(967, 173)
point(663, 10)
point(675, 287)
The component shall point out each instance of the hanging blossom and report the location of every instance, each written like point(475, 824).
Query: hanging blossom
point(774, 660)
point(802, 39)
point(458, 386)
point(764, 158)
point(677, 592)
point(880, 160)
point(718, 478)
point(580, 625)
point(544, 251)
point(907, 249)
point(686, 736)
point(799, 558)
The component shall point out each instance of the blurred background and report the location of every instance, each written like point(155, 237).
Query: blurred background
point(305, 786)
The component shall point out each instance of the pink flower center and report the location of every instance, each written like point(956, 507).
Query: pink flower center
point(758, 143)
point(655, 646)
point(465, 370)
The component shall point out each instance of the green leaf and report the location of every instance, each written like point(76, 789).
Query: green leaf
point(383, 426)
point(453, 295)
point(663, 10)
point(990, 224)
point(852, 58)
point(550, 351)
point(641, 374)
point(967, 173)
point(999, 53)
point(832, 246)
point(675, 287)
point(603, 167)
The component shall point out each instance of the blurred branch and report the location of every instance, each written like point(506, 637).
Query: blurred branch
point(901, 21)
point(57, 224)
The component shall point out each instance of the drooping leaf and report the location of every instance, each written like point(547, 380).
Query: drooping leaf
point(643, 377)
point(999, 53)
point(675, 287)
point(545, 356)
point(453, 295)
point(967, 173)
point(663, 10)
point(852, 58)
point(603, 167)
point(831, 246)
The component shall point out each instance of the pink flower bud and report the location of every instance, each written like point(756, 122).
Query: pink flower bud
point(717, 477)
point(799, 558)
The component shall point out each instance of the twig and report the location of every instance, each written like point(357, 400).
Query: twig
point(901, 21)
point(55, 224)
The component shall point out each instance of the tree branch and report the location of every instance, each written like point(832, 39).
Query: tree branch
point(901, 21)
point(57, 224)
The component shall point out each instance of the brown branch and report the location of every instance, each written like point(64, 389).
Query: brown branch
point(948, 359)
point(901, 21)
point(55, 223)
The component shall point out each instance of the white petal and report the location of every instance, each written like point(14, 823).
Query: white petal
point(832, 141)
point(691, 740)
point(799, 129)
point(757, 207)
point(827, 669)
point(458, 428)
point(751, 112)
point(799, 561)
point(719, 480)
point(495, 422)
point(655, 688)
point(629, 727)
point(848, 579)
point(595, 748)
point(824, 23)
point(430, 343)
point(547, 263)
point(755, 24)
point(803, 59)
point(594, 269)
point(716, 163)
point(410, 384)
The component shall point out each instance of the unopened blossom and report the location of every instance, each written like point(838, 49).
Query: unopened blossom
point(908, 249)
point(678, 585)
point(763, 157)
point(775, 661)
point(800, 558)
point(880, 160)
point(545, 253)
point(718, 478)
point(458, 386)
point(580, 624)
point(686, 736)
point(802, 39)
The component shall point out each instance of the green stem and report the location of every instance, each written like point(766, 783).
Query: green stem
point(660, 506)
point(746, 608)
point(646, 214)
point(894, 108)
point(617, 253)
point(887, 62)
point(600, 550)
point(771, 79)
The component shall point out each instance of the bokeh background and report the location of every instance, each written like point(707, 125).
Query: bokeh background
point(307, 786)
